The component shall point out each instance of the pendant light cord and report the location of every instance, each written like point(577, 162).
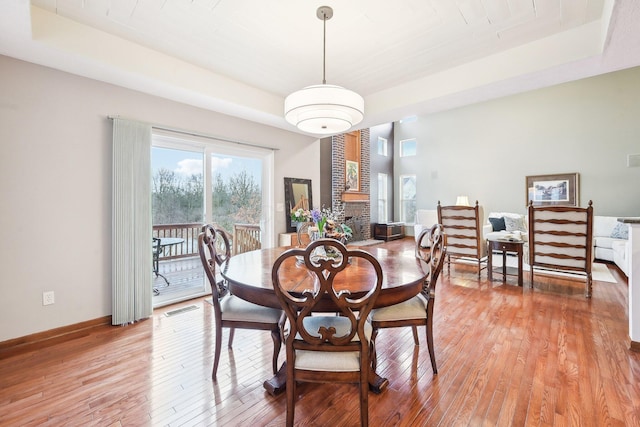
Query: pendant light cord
point(324, 47)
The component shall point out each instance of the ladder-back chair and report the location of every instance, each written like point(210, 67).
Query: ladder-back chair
point(561, 239)
point(463, 227)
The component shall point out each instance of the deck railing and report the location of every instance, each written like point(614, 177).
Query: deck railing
point(245, 237)
point(189, 232)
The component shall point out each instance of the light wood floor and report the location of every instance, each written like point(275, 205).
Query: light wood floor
point(506, 356)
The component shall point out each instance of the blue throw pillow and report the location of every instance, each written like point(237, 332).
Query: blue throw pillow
point(621, 231)
point(497, 224)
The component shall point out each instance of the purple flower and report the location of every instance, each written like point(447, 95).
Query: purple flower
point(316, 215)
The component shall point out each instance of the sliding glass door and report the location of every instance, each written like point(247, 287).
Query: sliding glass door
point(236, 193)
point(199, 180)
point(177, 198)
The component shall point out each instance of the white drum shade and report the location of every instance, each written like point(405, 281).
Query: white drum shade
point(324, 109)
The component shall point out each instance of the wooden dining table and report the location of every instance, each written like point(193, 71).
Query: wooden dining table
point(249, 277)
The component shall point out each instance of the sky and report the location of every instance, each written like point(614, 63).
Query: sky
point(189, 163)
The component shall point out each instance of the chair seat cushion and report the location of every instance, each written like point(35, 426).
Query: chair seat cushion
point(346, 361)
point(414, 308)
point(234, 308)
point(326, 360)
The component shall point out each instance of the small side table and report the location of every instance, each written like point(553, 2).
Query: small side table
point(389, 231)
point(505, 246)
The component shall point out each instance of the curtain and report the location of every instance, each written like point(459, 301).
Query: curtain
point(132, 223)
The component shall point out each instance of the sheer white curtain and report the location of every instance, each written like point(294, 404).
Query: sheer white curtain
point(132, 223)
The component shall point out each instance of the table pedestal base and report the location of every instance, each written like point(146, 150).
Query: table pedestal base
point(278, 383)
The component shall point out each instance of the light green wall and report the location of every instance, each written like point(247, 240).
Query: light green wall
point(486, 150)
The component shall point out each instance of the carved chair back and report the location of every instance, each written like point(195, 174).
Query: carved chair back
point(327, 292)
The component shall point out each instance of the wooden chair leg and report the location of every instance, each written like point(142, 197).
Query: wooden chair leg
point(531, 276)
point(291, 396)
point(231, 334)
point(277, 343)
point(218, 348)
point(364, 395)
point(372, 346)
point(429, 329)
point(416, 341)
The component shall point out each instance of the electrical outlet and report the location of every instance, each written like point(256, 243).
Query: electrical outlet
point(48, 298)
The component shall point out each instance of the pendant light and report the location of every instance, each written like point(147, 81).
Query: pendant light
point(324, 109)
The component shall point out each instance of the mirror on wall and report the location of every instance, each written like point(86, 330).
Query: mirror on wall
point(297, 195)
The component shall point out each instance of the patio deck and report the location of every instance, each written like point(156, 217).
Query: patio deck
point(183, 274)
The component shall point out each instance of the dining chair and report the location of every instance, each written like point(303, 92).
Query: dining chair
point(561, 239)
point(302, 234)
point(417, 311)
point(320, 346)
point(230, 311)
point(246, 237)
point(465, 239)
point(223, 253)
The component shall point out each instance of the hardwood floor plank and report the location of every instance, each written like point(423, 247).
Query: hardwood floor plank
point(506, 356)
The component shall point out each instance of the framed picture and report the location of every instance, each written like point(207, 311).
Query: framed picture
point(559, 189)
point(352, 175)
point(297, 194)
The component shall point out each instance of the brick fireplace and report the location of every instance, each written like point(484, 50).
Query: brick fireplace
point(357, 204)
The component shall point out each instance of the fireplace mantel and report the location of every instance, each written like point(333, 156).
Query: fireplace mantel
point(355, 197)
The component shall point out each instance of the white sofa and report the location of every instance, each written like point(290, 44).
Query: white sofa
point(609, 245)
point(517, 224)
point(425, 218)
point(610, 241)
point(512, 225)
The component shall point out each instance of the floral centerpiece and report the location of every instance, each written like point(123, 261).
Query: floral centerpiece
point(326, 222)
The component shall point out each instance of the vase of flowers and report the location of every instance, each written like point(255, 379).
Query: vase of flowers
point(326, 223)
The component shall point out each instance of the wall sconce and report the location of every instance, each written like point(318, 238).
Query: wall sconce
point(462, 201)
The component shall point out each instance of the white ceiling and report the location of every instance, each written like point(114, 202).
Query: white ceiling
point(242, 57)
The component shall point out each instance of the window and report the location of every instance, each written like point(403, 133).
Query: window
point(198, 180)
point(407, 198)
point(236, 190)
point(409, 119)
point(177, 191)
point(383, 200)
point(382, 146)
point(408, 147)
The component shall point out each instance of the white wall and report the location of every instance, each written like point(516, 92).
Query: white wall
point(55, 187)
point(486, 150)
